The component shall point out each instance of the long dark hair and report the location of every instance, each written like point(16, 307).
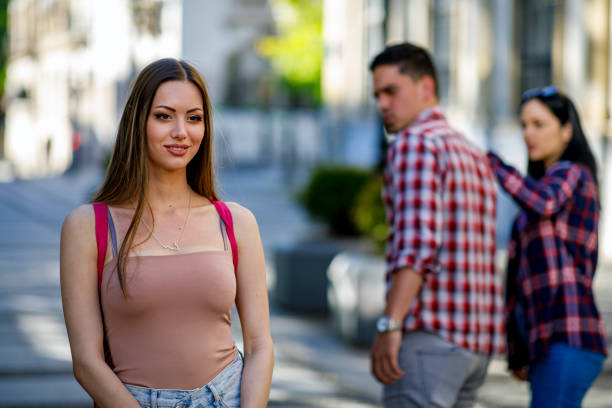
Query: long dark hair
point(126, 175)
point(577, 149)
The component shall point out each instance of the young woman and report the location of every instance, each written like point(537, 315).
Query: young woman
point(556, 338)
point(168, 284)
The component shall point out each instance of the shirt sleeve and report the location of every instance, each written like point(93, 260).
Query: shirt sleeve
point(545, 196)
point(417, 205)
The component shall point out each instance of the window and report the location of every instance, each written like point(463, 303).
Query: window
point(535, 30)
point(442, 46)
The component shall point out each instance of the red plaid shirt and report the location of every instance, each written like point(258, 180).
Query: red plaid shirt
point(552, 261)
point(439, 195)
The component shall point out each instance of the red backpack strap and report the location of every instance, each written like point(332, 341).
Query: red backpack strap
point(101, 237)
point(226, 216)
point(102, 243)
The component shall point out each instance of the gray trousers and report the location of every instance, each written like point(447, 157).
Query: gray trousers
point(437, 374)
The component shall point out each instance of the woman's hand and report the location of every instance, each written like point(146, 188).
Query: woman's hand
point(520, 374)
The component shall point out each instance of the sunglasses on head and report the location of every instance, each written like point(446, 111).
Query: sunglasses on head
point(545, 92)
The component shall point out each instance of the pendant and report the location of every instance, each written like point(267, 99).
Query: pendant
point(173, 247)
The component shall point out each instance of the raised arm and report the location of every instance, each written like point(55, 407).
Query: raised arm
point(252, 306)
point(545, 196)
point(79, 284)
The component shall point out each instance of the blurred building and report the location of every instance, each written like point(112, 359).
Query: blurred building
point(71, 63)
point(218, 38)
point(487, 52)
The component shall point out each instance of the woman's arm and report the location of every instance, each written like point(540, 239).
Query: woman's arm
point(545, 196)
point(79, 284)
point(252, 305)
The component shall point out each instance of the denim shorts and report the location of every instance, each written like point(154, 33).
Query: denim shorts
point(222, 392)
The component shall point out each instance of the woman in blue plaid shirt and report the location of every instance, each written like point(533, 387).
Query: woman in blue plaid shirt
point(556, 337)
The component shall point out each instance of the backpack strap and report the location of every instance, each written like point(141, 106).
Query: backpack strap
point(100, 210)
point(226, 216)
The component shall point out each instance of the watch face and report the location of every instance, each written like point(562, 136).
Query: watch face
point(382, 324)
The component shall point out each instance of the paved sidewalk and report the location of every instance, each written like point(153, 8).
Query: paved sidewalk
point(313, 367)
point(310, 341)
point(35, 363)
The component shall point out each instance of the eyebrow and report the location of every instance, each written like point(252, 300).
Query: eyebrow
point(174, 110)
point(384, 89)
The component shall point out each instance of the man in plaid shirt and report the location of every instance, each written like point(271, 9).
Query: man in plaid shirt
point(444, 309)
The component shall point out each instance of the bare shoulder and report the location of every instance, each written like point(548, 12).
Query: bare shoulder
point(243, 218)
point(78, 241)
point(79, 221)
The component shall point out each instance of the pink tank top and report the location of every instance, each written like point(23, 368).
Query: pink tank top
point(173, 330)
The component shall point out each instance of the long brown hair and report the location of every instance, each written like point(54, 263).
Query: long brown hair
point(126, 176)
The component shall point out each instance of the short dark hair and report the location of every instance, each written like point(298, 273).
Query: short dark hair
point(412, 60)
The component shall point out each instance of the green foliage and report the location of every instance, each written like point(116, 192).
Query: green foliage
point(349, 201)
point(3, 42)
point(330, 196)
point(296, 52)
point(369, 213)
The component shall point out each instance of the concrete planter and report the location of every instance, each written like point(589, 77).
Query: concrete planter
point(356, 295)
point(301, 275)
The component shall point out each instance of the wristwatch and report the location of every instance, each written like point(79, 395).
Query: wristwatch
point(386, 324)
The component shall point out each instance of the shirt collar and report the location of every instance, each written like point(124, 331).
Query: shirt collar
point(426, 115)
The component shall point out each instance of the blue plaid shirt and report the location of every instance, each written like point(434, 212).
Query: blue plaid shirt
point(552, 262)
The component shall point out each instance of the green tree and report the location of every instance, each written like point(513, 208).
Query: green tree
point(296, 51)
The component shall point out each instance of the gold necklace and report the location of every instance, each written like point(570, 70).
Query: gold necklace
point(176, 245)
